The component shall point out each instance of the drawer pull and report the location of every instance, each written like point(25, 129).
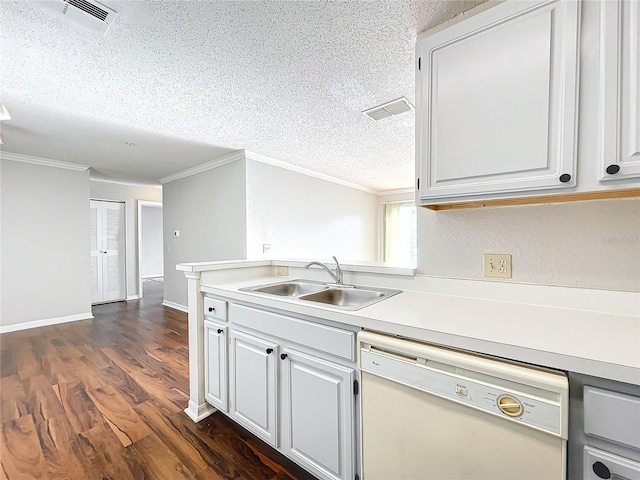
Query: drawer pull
point(601, 470)
point(211, 309)
point(269, 350)
point(283, 356)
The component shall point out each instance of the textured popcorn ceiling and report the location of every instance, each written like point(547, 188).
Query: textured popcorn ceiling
point(189, 81)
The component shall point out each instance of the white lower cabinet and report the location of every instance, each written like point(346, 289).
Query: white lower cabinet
point(253, 383)
point(317, 414)
point(215, 346)
point(291, 382)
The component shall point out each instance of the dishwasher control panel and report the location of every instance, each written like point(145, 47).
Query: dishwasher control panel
point(529, 405)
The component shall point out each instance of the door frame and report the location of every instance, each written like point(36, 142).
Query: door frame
point(141, 204)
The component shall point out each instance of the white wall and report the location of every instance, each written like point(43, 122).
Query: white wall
point(209, 211)
point(152, 262)
point(129, 194)
point(306, 217)
point(590, 244)
point(44, 243)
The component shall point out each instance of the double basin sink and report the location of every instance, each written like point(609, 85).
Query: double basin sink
point(346, 297)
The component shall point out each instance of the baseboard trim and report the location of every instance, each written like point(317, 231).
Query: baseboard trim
point(199, 412)
point(45, 322)
point(133, 297)
point(175, 306)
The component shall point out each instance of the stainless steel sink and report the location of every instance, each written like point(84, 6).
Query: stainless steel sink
point(290, 289)
point(346, 297)
point(343, 296)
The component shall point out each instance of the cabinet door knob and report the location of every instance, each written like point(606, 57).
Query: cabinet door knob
point(565, 177)
point(283, 356)
point(219, 330)
point(269, 350)
point(601, 470)
point(211, 309)
point(613, 169)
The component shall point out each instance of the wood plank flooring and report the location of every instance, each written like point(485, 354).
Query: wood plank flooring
point(103, 399)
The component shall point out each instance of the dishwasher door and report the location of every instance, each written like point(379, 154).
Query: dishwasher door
point(434, 413)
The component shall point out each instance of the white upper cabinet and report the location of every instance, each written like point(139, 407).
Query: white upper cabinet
point(619, 101)
point(497, 101)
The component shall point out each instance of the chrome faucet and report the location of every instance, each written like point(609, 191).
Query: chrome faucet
point(337, 276)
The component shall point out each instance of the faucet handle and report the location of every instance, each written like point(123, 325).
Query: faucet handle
point(338, 270)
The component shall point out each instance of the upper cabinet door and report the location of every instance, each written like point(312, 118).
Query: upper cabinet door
point(619, 99)
point(496, 101)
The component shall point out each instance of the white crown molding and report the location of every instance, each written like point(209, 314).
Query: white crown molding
point(124, 182)
point(231, 157)
point(310, 173)
point(18, 157)
point(399, 191)
point(245, 154)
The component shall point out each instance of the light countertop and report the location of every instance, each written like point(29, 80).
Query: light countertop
point(548, 326)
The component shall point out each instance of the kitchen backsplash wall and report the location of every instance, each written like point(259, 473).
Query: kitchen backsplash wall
point(589, 244)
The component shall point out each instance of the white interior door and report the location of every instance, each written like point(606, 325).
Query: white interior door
point(107, 251)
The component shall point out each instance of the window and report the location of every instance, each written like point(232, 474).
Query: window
point(400, 244)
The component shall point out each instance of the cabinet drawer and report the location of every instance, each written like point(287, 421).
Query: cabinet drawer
point(334, 341)
point(613, 416)
point(215, 308)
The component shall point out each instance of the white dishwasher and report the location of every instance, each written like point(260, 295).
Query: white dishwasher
point(434, 413)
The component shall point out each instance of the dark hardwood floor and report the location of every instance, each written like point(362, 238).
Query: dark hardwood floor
point(104, 399)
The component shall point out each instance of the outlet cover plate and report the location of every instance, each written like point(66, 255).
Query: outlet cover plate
point(266, 248)
point(497, 265)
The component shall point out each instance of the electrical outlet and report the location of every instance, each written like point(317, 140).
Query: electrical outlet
point(266, 248)
point(497, 265)
point(283, 271)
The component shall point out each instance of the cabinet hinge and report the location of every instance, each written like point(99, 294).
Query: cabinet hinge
point(419, 63)
point(355, 387)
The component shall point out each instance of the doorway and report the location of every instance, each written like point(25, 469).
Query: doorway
point(108, 283)
point(150, 247)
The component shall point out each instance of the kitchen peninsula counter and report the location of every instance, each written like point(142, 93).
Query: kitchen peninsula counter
point(593, 332)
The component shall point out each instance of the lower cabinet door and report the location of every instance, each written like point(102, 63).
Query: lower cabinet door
point(253, 383)
point(215, 365)
point(318, 415)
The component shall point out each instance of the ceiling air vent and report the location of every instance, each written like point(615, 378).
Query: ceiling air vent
point(395, 107)
point(88, 13)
